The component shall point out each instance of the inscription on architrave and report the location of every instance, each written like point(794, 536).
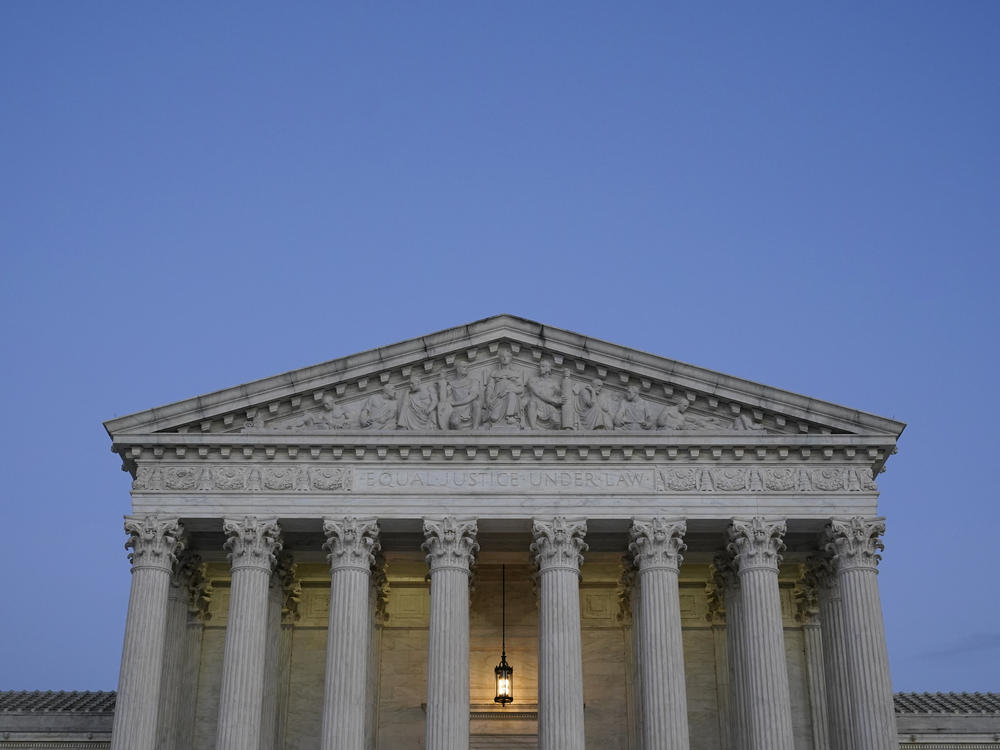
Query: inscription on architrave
point(503, 480)
point(698, 478)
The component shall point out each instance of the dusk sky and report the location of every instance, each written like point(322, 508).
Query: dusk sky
point(196, 195)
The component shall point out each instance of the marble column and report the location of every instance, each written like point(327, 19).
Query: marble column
point(855, 543)
point(351, 544)
point(628, 609)
point(252, 545)
point(174, 682)
point(558, 550)
point(199, 599)
point(838, 695)
point(378, 598)
point(154, 543)
point(756, 544)
point(291, 588)
point(269, 708)
point(806, 613)
point(724, 570)
point(451, 548)
point(657, 546)
point(715, 592)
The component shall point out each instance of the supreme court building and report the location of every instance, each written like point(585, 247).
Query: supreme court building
point(669, 557)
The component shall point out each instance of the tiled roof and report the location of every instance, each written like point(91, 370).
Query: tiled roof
point(77, 701)
point(104, 701)
point(947, 703)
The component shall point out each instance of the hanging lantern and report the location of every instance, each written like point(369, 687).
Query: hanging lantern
point(503, 671)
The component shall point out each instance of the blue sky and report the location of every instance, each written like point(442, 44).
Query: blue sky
point(197, 195)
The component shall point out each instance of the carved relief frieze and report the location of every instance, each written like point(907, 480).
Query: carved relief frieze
point(505, 393)
point(323, 478)
point(737, 479)
point(245, 479)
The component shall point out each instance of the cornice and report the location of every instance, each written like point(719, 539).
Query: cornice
point(863, 455)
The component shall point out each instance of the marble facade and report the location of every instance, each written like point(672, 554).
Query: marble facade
point(691, 558)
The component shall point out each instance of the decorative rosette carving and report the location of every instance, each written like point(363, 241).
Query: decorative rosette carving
point(855, 542)
point(657, 543)
point(450, 543)
point(252, 542)
point(351, 542)
point(153, 542)
point(756, 543)
point(559, 543)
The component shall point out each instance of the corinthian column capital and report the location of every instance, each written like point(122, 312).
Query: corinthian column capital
point(657, 543)
point(351, 542)
point(450, 543)
point(252, 543)
point(756, 543)
point(855, 542)
point(558, 543)
point(153, 542)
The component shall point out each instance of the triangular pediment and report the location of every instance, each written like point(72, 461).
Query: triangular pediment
point(501, 375)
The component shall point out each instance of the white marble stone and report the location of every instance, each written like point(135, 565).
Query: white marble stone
point(558, 548)
point(252, 545)
point(176, 681)
point(756, 546)
point(505, 421)
point(855, 543)
point(838, 697)
point(657, 546)
point(377, 596)
point(451, 548)
point(291, 588)
point(155, 543)
point(351, 544)
point(728, 581)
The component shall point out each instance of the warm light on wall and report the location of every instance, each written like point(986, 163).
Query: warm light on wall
point(503, 671)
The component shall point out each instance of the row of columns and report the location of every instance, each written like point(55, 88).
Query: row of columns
point(854, 662)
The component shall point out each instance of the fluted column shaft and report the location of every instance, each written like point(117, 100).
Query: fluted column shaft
point(657, 546)
point(628, 614)
point(856, 543)
point(269, 709)
point(351, 544)
point(291, 590)
point(756, 544)
point(722, 684)
point(559, 549)
point(199, 598)
point(172, 681)
point(252, 545)
point(154, 543)
point(195, 630)
point(838, 690)
point(729, 582)
point(838, 695)
point(817, 685)
point(451, 547)
point(376, 603)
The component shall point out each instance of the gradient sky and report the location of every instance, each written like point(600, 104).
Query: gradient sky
point(196, 195)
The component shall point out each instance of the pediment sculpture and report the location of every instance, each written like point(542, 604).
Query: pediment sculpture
point(507, 397)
